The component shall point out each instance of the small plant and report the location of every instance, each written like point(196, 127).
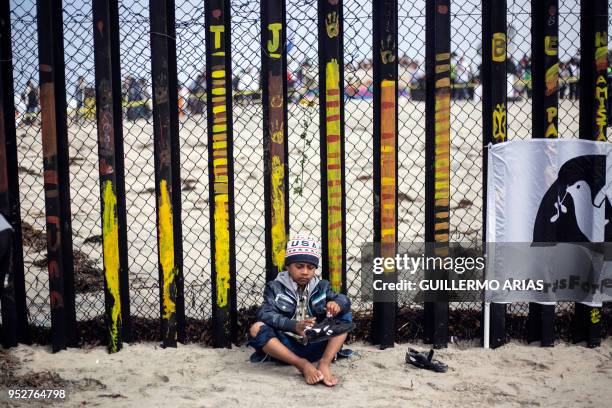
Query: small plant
point(298, 184)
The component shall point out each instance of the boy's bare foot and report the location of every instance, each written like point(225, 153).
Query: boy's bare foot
point(310, 373)
point(328, 377)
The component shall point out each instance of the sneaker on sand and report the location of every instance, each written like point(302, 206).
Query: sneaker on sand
point(327, 329)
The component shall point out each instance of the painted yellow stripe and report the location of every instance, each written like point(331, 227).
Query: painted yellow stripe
point(442, 68)
point(166, 251)
point(218, 108)
point(110, 239)
point(218, 73)
point(220, 162)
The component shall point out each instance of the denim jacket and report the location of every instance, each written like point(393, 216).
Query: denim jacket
point(281, 300)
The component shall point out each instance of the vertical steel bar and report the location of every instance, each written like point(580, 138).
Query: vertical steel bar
point(545, 77)
point(274, 102)
point(167, 177)
point(593, 87)
point(221, 170)
point(124, 279)
point(56, 173)
point(14, 298)
point(331, 117)
point(437, 156)
point(384, 24)
point(494, 119)
point(110, 134)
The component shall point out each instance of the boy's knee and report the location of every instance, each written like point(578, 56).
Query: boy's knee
point(255, 328)
point(345, 317)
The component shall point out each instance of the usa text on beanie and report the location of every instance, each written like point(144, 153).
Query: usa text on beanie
point(302, 248)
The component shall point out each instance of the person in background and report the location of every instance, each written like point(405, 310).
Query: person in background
point(364, 75)
point(574, 69)
point(462, 79)
point(79, 96)
point(30, 98)
point(564, 75)
point(197, 92)
point(183, 96)
point(307, 77)
point(351, 80)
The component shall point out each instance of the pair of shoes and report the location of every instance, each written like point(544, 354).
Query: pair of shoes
point(425, 360)
point(327, 329)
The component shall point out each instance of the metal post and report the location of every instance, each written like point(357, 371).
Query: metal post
point(331, 116)
point(274, 102)
point(18, 330)
point(110, 136)
point(545, 79)
point(494, 119)
point(437, 156)
point(221, 170)
point(593, 87)
point(167, 167)
point(385, 158)
point(56, 173)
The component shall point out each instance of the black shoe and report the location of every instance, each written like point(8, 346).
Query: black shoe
point(327, 329)
point(425, 360)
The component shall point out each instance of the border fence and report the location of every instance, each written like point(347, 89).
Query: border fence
point(156, 156)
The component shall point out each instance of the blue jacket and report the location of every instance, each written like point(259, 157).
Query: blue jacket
point(281, 300)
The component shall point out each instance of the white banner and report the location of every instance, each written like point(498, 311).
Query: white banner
point(543, 192)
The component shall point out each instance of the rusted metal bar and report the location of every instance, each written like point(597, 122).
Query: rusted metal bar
point(437, 156)
point(167, 167)
point(385, 158)
point(110, 136)
point(274, 101)
point(221, 170)
point(494, 117)
point(14, 304)
point(331, 116)
point(56, 173)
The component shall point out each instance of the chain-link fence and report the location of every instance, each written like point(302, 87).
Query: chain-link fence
point(303, 123)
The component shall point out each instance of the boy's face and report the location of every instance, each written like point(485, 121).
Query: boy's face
point(301, 272)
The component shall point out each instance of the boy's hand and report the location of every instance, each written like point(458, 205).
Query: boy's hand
point(302, 324)
point(332, 308)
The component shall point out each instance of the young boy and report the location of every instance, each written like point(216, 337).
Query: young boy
point(294, 301)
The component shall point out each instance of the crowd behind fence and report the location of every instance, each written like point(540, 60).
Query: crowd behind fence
point(303, 144)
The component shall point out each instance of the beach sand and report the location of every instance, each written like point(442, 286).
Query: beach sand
point(144, 375)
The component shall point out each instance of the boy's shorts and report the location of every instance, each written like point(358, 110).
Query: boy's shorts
point(311, 351)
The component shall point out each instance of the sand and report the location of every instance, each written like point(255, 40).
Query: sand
point(515, 375)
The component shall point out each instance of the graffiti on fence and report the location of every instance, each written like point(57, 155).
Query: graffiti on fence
point(498, 47)
point(334, 174)
point(110, 239)
point(442, 152)
point(499, 123)
point(388, 165)
point(275, 138)
point(220, 169)
point(601, 85)
point(551, 70)
point(220, 184)
point(166, 251)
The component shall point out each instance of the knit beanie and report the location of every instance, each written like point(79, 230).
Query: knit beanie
point(302, 248)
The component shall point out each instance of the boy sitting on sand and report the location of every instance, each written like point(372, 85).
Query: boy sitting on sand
point(294, 302)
